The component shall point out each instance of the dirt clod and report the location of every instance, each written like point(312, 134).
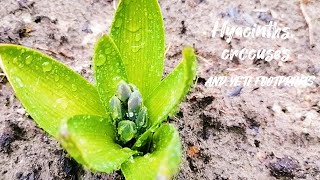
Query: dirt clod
point(201, 103)
point(209, 123)
point(12, 133)
point(284, 167)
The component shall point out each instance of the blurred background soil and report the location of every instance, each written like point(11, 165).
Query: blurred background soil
point(258, 133)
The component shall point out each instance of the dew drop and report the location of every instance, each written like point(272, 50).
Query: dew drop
point(135, 49)
point(28, 59)
point(15, 60)
point(101, 60)
point(138, 37)
point(46, 66)
point(82, 141)
point(118, 22)
point(107, 51)
point(117, 78)
point(74, 87)
point(19, 82)
point(56, 78)
point(133, 26)
point(62, 103)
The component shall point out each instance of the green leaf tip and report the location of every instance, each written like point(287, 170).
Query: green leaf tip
point(90, 140)
point(138, 32)
point(48, 90)
point(109, 69)
point(168, 95)
point(163, 161)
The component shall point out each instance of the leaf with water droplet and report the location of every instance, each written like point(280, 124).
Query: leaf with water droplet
point(90, 140)
point(169, 94)
point(137, 47)
point(101, 59)
point(109, 73)
point(46, 66)
point(41, 90)
point(163, 159)
point(28, 59)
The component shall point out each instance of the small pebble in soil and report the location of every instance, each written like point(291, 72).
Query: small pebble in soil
point(193, 151)
point(236, 92)
point(192, 165)
point(201, 103)
point(86, 28)
point(284, 167)
point(208, 124)
point(201, 80)
point(183, 29)
point(21, 111)
point(265, 16)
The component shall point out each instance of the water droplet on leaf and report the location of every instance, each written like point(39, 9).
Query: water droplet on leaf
point(133, 26)
point(46, 66)
point(138, 37)
point(62, 103)
point(74, 87)
point(19, 82)
point(28, 59)
point(56, 78)
point(15, 60)
point(118, 22)
point(101, 60)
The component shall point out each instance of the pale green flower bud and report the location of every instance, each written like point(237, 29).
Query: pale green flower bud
point(126, 130)
point(134, 103)
point(115, 107)
point(123, 91)
point(141, 120)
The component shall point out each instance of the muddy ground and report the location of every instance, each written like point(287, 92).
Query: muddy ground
point(262, 133)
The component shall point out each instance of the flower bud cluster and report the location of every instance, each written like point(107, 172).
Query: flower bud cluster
point(128, 112)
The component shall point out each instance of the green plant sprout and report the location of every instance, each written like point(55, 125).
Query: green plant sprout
point(118, 122)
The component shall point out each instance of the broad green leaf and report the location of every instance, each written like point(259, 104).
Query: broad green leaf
point(48, 90)
point(138, 32)
point(90, 140)
point(168, 95)
point(163, 161)
point(109, 68)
